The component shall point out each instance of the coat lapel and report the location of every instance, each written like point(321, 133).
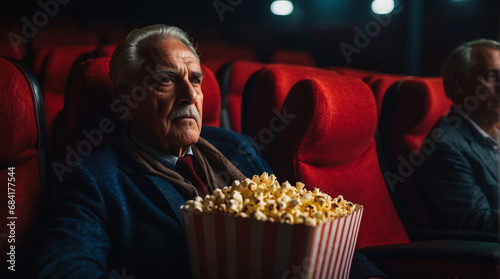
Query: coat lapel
point(482, 152)
point(171, 195)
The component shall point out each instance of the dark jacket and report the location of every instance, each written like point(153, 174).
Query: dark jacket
point(112, 219)
point(114, 222)
point(460, 176)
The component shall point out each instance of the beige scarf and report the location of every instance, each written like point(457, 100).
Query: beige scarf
point(212, 167)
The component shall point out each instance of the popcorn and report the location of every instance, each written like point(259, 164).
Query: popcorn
point(263, 198)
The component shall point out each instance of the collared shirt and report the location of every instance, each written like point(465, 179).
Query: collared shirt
point(487, 140)
point(168, 160)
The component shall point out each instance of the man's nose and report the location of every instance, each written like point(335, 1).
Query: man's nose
point(186, 93)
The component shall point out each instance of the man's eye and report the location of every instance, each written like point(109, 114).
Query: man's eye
point(164, 79)
point(195, 81)
point(492, 76)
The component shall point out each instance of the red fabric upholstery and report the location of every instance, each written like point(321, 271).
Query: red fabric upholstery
point(211, 98)
point(354, 72)
point(379, 85)
point(378, 82)
point(293, 57)
point(39, 58)
point(6, 49)
point(46, 38)
point(216, 55)
point(330, 145)
point(54, 74)
point(105, 51)
point(19, 148)
point(239, 73)
point(419, 104)
point(88, 101)
point(269, 90)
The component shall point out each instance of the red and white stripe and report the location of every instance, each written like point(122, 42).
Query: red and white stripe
point(227, 247)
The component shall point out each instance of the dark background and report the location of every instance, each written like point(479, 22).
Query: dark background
point(415, 41)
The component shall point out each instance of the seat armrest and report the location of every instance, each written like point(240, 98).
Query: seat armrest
point(437, 259)
point(420, 235)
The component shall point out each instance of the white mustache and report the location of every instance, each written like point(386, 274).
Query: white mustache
point(184, 111)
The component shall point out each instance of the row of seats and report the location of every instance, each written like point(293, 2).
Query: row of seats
point(318, 126)
point(215, 54)
point(322, 128)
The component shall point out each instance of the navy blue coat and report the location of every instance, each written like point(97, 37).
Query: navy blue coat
point(114, 220)
point(459, 176)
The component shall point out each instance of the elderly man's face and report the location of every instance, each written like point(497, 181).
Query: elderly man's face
point(169, 119)
point(482, 86)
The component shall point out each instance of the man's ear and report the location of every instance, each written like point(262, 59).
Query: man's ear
point(457, 81)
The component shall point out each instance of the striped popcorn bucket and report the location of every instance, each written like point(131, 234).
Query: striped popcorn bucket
point(222, 246)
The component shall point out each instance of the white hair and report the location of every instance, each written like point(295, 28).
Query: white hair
point(460, 61)
point(129, 55)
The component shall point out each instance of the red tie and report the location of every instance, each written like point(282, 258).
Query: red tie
point(184, 166)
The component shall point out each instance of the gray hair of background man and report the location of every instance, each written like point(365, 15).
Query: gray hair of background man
point(128, 56)
point(460, 61)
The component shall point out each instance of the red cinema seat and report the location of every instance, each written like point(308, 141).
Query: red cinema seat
point(339, 156)
point(377, 81)
point(38, 60)
point(410, 110)
point(354, 72)
point(17, 52)
point(379, 85)
point(89, 108)
point(232, 78)
point(54, 74)
point(106, 50)
point(267, 90)
point(51, 37)
point(216, 55)
point(296, 57)
point(23, 162)
point(330, 145)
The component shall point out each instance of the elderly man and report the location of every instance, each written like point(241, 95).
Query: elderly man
point(460, 178)
point(120, 210)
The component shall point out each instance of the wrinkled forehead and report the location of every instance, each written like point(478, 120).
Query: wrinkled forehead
point(171, 54)
point(486, 58)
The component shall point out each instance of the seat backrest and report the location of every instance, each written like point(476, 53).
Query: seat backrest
point(296, 57)
point(377, 81)
point(17, 52)
point(89, 108)
point(263, 97)
point(379, 85)
point(329, 144)
point(106, 50)
point(214, 55)
point(410, 109)
point(53, 37)
point(53, 76)
point(232, 78)
point(23, 162)
point(361, 73)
